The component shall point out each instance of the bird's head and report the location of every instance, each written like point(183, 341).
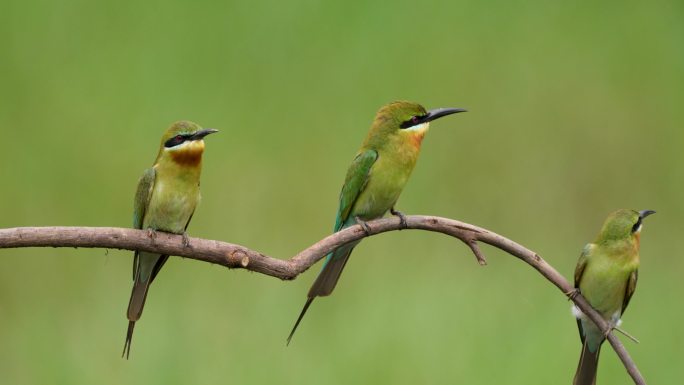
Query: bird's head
point(405, 120)
point(183, 143)
point(623, 224)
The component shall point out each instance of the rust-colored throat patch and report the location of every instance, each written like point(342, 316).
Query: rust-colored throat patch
point(189, 154)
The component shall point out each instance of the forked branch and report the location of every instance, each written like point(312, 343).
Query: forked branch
point(236, 256)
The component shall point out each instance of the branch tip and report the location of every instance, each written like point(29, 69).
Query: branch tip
point(481, 259)
point(624, 333)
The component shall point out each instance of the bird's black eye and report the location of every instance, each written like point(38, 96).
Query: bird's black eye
point(175, 141)
point(415, 120)
point(636, 225)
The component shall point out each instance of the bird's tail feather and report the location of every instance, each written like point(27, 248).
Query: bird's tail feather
point(299, 319)
point(587, 367)
point(135, 308)
point(326, 280)
point(129, 338)
point(138, 297)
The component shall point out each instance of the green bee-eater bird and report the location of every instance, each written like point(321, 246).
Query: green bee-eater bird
point(165, 200)
point(375, 179)
point(606, 275)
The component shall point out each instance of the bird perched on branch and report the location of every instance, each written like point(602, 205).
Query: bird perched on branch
point(165, 200)
point(606, 275)
point(375, 179)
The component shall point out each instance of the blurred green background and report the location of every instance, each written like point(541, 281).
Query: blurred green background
point(575, 111)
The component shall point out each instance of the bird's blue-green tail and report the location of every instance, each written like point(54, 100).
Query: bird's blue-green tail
point(326, 280)
point(330, 273)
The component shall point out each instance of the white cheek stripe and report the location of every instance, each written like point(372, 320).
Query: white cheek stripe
point(418, 127)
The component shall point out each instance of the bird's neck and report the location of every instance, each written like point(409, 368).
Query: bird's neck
point(407, 143)
point(413, 136)
point(626, 250)
point(415, 139)
point(637, 239)
point(186, 164)
point(401, 150)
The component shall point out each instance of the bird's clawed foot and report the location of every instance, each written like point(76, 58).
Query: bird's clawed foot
point(152, 234)
point(611, 327)
point(572, 293)
point(186, 240)
point(364, 225)
point(402, 217)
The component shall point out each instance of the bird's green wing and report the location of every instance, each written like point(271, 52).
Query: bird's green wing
point(354, 183)
point(629, 290)
point(582, 264)
point(142, 200)
point(142, 197)
point(579, 272)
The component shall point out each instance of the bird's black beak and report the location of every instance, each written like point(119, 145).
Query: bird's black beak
point(199, 135)
point(440, 112)
point(644, 213)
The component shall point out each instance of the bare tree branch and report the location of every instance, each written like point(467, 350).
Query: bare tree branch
point(236, 256)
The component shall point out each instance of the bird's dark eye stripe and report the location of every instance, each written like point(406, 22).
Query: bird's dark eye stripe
point(414, 121)
point(636, 225)
point(176, 140)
